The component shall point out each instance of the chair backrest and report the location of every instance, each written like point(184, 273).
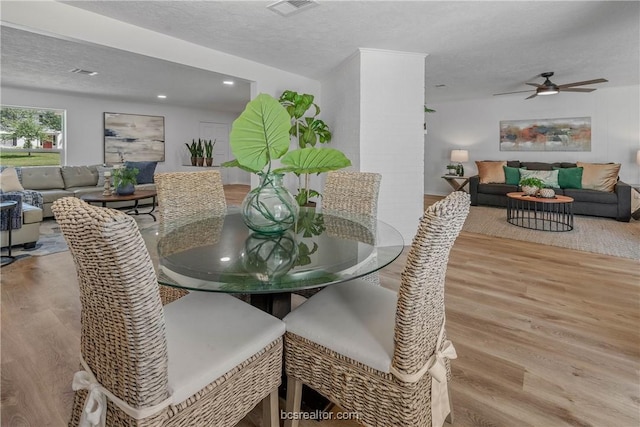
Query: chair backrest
point(420, 309)
point(184, 194)
point(123, 334)
point(353, 193)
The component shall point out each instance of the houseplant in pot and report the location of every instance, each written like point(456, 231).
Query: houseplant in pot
point(193, 150)
point(308, 130)
point(208, 151)
point(531, 186)
point(124, 179)
point(259, 136)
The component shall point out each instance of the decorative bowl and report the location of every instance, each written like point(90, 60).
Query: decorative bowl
point(547, 193)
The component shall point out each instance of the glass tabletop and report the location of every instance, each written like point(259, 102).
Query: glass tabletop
point(220, 254)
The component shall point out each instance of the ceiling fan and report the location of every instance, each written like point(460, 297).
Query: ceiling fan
point(550, 88)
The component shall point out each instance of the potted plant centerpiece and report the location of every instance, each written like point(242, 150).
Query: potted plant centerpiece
point(259, 136)
point(124, 180)
point(308, 130)
point(531, 186)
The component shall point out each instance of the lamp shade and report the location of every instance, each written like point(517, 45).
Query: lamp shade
point(638, 157)
point(459, 156)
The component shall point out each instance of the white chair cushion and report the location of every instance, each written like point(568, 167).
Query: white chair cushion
point(355, 319)
point(208, 334)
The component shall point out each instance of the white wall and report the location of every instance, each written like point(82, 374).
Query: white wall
point(474, 125)
point(341, 107)
point(85, 124)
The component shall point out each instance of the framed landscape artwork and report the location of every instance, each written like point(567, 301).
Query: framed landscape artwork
point(133, 137)
point(567, 134)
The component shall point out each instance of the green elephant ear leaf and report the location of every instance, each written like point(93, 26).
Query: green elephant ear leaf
point(261, 133)
point(313, 160)
point(235, 164)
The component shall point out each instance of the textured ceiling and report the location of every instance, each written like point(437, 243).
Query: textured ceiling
point(475, 48)
point(39, 62)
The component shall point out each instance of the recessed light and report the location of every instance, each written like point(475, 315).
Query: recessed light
point(162, 96)
point(228, 82)
point(85, 72)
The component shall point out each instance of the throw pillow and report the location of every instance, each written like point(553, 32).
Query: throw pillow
point(599, 176)
point(511, 175)
point(491, 172)
point(145, 171)
point(570, 177)
point(9, 181)
point(549, 178)
point(78, 176)
point(101, 171)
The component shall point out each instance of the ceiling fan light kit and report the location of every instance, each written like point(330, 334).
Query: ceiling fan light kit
point(550, 88)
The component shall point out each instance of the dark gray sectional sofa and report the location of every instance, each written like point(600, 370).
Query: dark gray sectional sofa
point(616, 204)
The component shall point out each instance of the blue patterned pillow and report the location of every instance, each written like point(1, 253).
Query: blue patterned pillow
point(145, 171)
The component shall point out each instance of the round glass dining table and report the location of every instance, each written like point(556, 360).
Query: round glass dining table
point(221, 254)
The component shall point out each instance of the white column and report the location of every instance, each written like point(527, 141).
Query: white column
point(392, 133)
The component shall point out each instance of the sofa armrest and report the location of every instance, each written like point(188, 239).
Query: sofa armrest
point(16, 213)
point(33, 198)
point(623, 191)
point(474, 181)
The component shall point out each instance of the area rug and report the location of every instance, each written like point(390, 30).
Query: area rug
point(590, 234)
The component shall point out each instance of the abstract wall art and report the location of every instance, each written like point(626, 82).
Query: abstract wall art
point(133, 137)
point(564, 134)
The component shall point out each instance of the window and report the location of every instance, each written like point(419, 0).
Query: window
point(31, 136)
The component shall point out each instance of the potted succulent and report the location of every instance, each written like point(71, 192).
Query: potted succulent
point(308, 130)
point(199, 153)
point(208, 150)
point(193, 150)
point(531, 186)
point(124, 179)
point(259, 136)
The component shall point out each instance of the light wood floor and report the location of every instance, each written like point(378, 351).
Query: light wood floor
point(545, 336)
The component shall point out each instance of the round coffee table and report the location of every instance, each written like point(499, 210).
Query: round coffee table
point(98, 197)
point(540, 213)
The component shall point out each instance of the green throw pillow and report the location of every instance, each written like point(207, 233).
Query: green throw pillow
point(569, 177)
point(511, 175)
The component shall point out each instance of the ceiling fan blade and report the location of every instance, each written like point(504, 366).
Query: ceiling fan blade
point(508, 93)
point(534, 84)
point(532, 96)
point(576, 89)
point(586, 82)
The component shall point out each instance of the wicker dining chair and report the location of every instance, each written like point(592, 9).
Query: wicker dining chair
point(185, 195)
point(352, 195)
point(380, 354)
point(204, 360)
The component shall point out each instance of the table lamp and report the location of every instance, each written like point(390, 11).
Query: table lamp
point(460, 156)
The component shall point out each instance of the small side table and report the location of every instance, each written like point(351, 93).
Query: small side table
point(457, 182)
point(8, 206)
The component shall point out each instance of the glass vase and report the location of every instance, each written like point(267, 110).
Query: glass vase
point(269, 256)
point(270, 208)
